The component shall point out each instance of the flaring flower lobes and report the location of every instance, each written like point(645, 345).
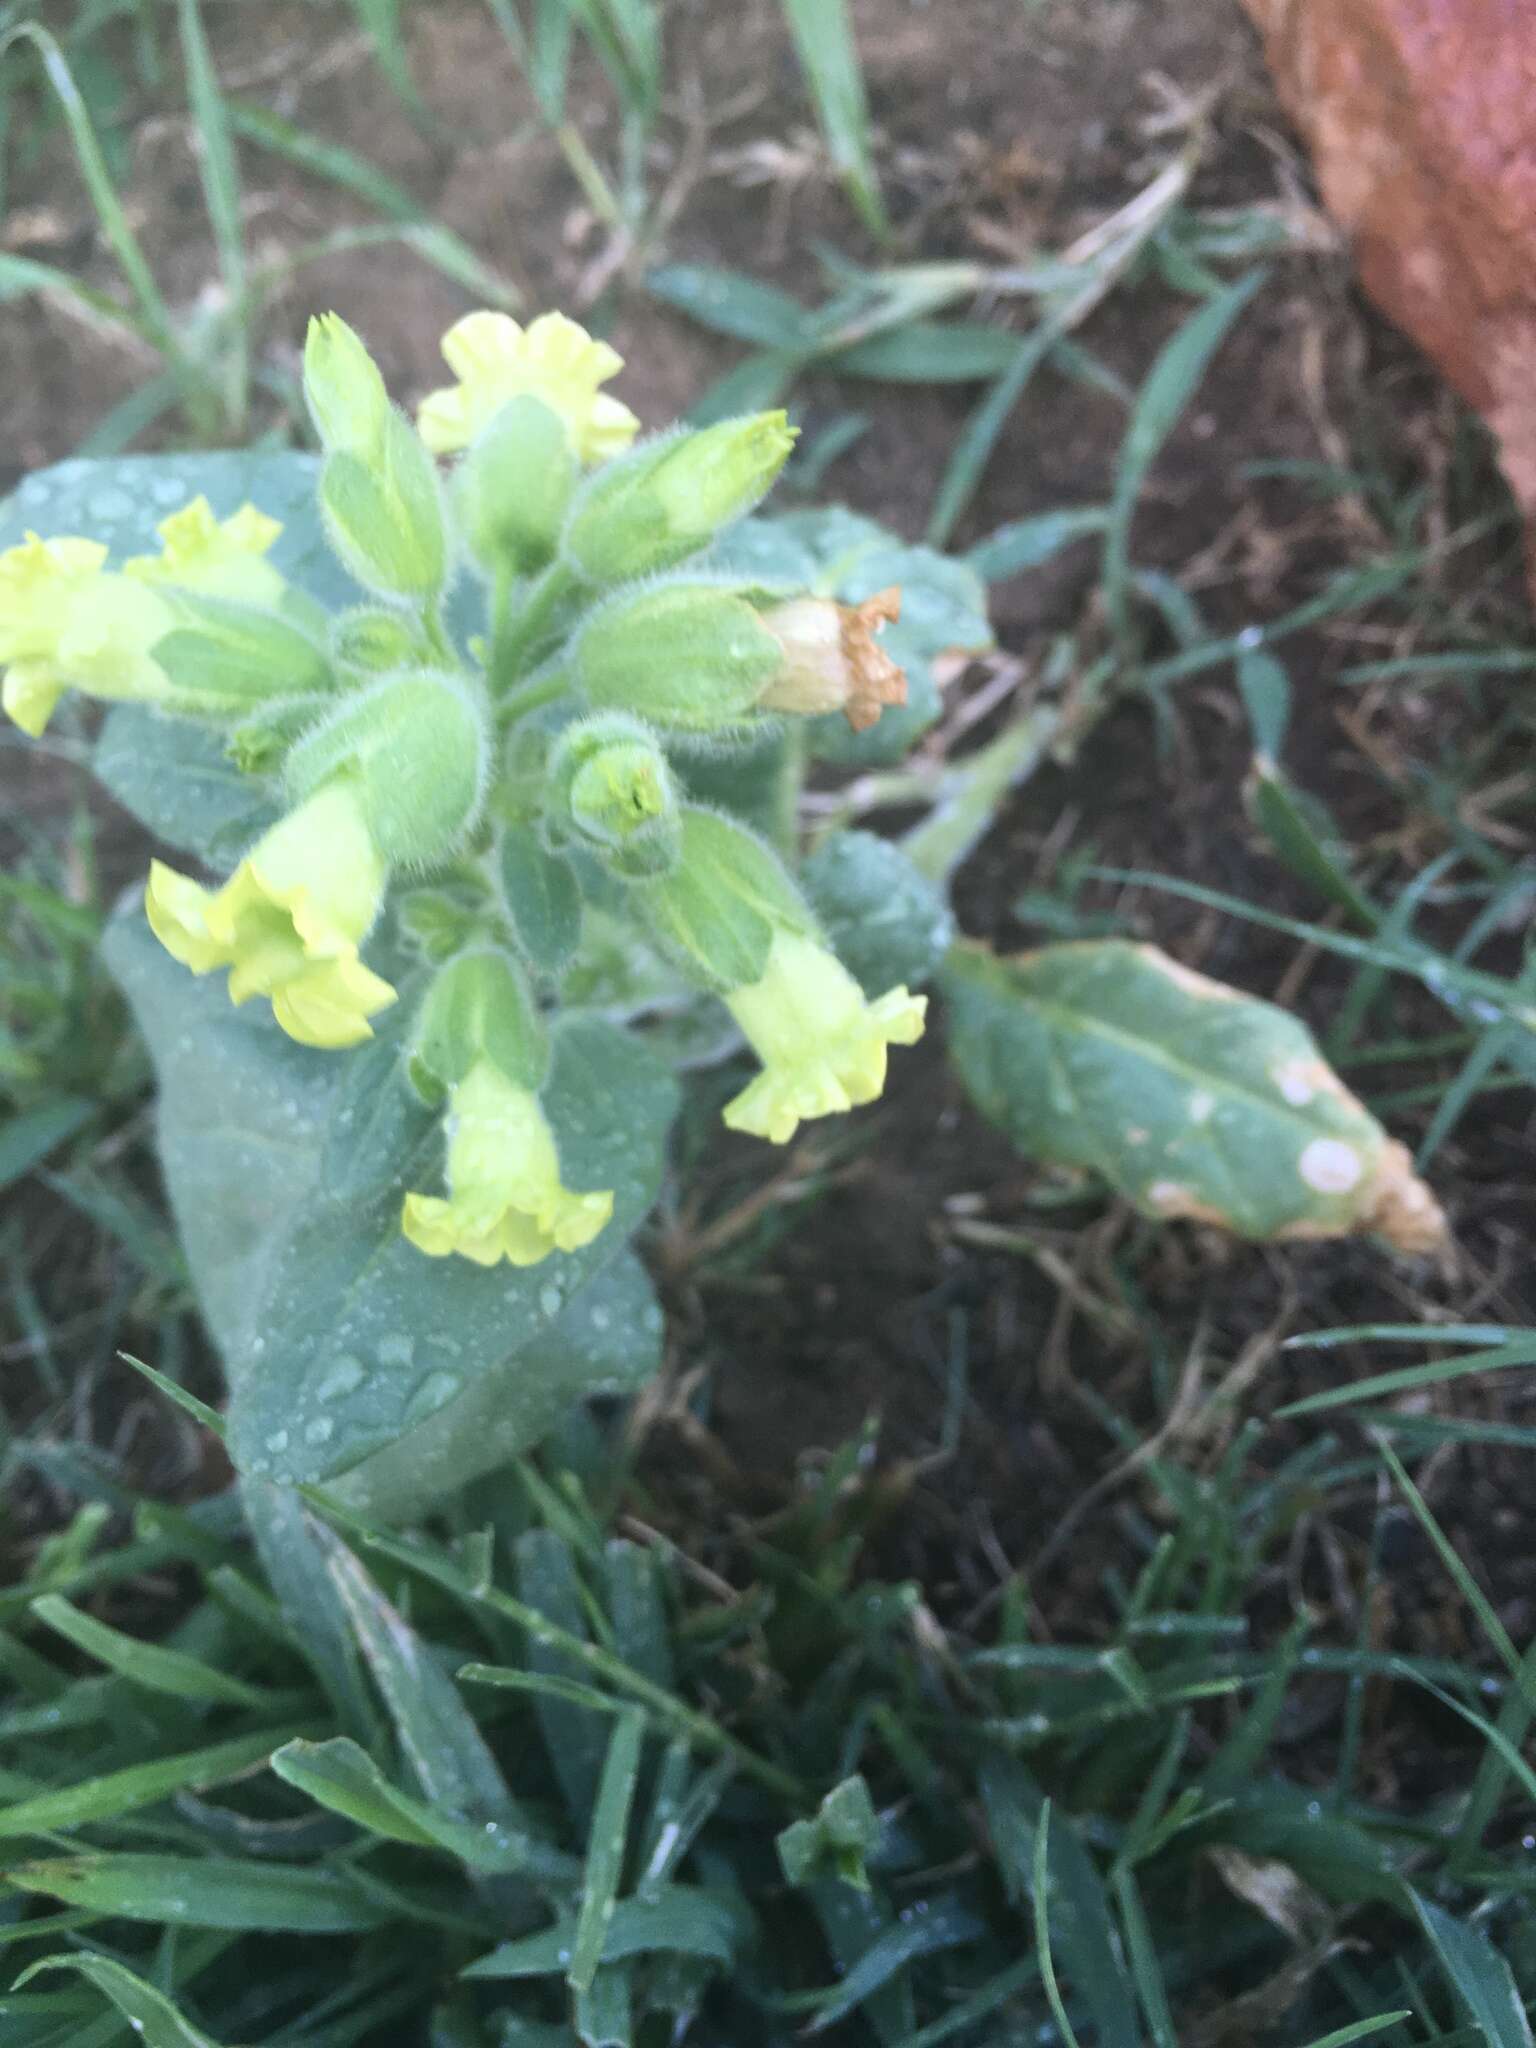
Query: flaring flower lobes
point(495, 360)
point(221, 557)
point(505, 1197)
point(40, 583)
point(288, 922)
point(66, 621)
point(821, 1041)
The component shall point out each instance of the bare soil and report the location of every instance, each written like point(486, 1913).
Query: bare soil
point(1005, 126)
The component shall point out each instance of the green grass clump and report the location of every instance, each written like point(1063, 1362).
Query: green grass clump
point(527, 1780)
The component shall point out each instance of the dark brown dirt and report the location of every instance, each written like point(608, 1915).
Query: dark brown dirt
point(1005, 126)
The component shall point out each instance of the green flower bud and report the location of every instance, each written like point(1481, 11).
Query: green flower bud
point(717, 912)
point(478, 1008)
point(613, 791)
point(383, 511)
point(415, 748)
point(343, 388)
point(376, 640)
point(688, 655)
point(514, 487)
point(441, 921)
point(221, 660)
point(653, 509)
point(258, 745)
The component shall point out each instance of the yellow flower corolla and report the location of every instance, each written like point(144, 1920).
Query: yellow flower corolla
point(287, 924)
point(495, 360)
point(505, 1197)
point(821, 1042)
point(66, 622)
point(221, 557)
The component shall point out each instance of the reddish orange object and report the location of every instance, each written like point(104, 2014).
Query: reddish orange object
point(1421, 117)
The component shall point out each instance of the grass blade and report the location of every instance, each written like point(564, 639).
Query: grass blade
point(220, 176)
point(823, 37)
point(1040, 1900)
point(342, 167)
point(1478, 1975)
point(120, 1792)
point(605, 1849)
point(978, 437)
point(451, 1759)
point(1410, 1378)
point(154, 313)
point(155, 2021)
point(147, 1664)
point(380, 21)
point(26, 1140)
point(241, 1894)
point(1171, 384)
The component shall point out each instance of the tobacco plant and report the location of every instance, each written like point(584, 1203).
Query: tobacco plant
point(480, 745)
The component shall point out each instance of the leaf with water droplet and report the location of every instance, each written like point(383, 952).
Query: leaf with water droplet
point(297, 1274)
point(608, 1341)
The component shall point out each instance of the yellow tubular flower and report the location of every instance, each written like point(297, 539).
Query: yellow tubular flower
point(821, 1042)
point(221, 557)
point(288, 922)
point(66, 622)
point(553, 359)
point(505, 1198)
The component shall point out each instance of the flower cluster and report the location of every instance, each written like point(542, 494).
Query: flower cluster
point(430, 781)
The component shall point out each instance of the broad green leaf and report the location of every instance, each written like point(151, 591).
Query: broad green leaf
point(120, 503)
point(888, 922)
point(286, 1170)
point(206, 1891)
point(608, 1341)
point(180, 784)
point(1480, 1977)
point(155, 2021)
point(544, 898)
point(1188, 1098)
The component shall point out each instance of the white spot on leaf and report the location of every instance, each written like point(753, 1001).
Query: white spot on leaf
point(1330, 1166)
point(1294, 1080)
